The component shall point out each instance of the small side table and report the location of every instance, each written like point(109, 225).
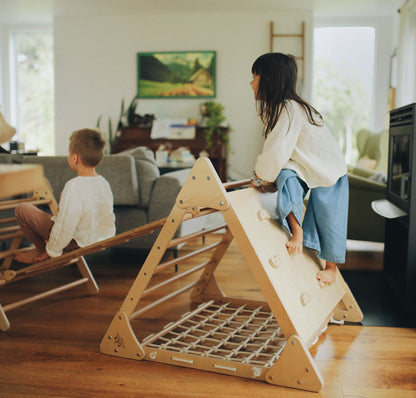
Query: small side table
point(16, 179)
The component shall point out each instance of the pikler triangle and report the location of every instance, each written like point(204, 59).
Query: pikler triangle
point(264, 340)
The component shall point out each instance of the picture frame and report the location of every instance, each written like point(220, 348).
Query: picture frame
point(176, 74)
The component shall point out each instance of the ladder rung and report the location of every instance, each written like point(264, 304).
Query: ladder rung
point(8, 205)
point(6, 253)
point(11, 235)
point(287, 35)
point(7, 220)
point(9, 229)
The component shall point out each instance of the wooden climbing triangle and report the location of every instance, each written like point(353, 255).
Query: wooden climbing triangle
point(265, 340)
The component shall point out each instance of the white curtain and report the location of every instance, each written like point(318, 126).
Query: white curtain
point(406, 51)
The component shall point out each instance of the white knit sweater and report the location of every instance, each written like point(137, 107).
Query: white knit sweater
point(85, 214)
point(295, 144)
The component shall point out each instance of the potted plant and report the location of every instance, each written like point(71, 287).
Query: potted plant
point(126, 116)
point(213, 122)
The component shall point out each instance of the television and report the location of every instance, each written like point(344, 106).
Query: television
point(401, 166)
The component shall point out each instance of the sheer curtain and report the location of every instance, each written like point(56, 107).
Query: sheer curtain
point(406, 51)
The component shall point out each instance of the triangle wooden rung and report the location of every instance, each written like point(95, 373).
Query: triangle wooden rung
point(266, 339)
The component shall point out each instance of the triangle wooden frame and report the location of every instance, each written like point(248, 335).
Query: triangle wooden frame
point(294, 298)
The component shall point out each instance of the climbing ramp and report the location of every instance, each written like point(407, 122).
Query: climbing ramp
point(29, 180)
point(266, 339)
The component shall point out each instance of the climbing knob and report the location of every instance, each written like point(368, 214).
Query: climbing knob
point(305, 298)
point(263, 215)
point(274, 261)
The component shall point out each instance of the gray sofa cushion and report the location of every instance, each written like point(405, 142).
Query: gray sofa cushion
point(147, 172)
point(55, 168)
point(5, 158)
point(120, 172)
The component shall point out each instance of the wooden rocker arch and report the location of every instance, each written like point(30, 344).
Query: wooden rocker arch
point(264, 340)
point(29, 179)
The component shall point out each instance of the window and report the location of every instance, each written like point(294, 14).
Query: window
point(31, 85)
point(343, 84)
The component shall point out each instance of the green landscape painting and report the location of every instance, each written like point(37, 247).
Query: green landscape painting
point(184, 74)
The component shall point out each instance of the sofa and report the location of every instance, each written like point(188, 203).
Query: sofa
point(373, 150)
point(363, 223)
point(141, 194)
point(367, 180)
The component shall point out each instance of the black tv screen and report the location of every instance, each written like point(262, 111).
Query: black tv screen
point(401, 136)
point(400, 167)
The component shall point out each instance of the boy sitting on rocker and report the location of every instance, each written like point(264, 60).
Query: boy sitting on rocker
point(85, 214)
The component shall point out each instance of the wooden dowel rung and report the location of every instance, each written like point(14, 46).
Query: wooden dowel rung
point(44, 266)
point(162, 300)
point(236, 184)
point(175, 278)
point(7, 220)
point(13, 204)
point(9, 252)
point(11, 235)
point(9, 229)
point(6, 253)
point(187, 238)
point(44, 294)
point(287, 35)
point(178, 260)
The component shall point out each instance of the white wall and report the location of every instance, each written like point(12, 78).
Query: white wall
point(95, 67)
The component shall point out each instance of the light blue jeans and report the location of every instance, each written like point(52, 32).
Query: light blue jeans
point(325, 221)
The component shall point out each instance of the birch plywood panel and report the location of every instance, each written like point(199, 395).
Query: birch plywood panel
point(288, 281)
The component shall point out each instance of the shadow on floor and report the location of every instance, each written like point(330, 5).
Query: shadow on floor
point(377, 300)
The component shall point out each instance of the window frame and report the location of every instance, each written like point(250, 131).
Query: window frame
point(384, 47)
point(9, 104)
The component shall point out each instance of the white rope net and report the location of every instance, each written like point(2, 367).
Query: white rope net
point(226, 332)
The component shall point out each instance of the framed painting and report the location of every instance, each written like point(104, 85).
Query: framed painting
point(179, 74)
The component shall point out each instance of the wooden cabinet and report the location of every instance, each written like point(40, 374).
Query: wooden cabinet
point(140, 136)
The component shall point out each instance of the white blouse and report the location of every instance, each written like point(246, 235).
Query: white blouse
point(294, 143)
point(85, 214)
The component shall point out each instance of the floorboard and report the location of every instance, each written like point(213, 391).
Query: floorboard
point(52, 347)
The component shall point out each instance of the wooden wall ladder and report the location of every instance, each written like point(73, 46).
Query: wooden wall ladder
point(300, 58)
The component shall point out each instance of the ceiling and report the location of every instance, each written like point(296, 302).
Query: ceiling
point(15, 10)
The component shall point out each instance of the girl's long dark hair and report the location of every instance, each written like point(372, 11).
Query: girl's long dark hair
point(278, 75)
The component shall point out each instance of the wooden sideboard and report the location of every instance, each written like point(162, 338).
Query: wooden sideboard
point(131, 137)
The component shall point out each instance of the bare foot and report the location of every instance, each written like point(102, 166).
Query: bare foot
point(41, 257)
point(27, 257)
point(31, 256)
point(295, 244)
point(328, 275)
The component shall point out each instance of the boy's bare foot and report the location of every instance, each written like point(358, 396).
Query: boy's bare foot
point(26, 257)
point(41, 257)
point(328, 275)
point(31, 256)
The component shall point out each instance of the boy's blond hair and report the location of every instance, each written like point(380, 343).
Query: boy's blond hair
point(89, 145)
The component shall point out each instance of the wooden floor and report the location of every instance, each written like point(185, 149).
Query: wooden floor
point(52, 347)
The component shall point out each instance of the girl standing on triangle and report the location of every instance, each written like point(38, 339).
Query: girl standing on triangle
point(300, 155)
